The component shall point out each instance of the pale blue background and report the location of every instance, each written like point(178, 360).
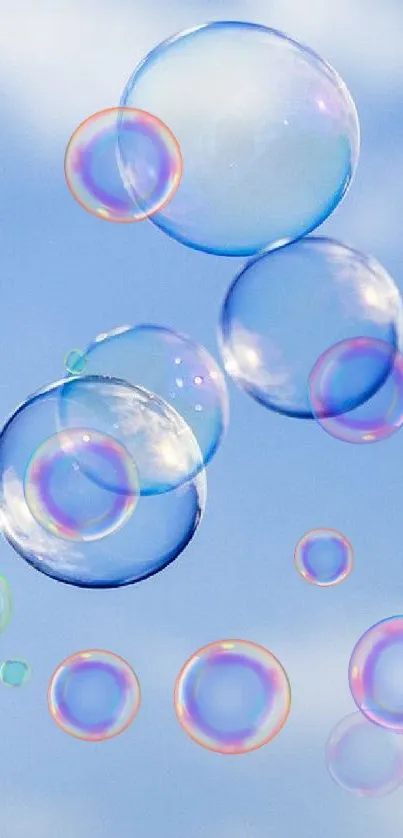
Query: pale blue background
point(65, 276)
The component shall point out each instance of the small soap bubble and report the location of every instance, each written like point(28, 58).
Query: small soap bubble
point(376, 673)
point(364, 758)
point(149, 178)
point(94, 695)
point(232, 696)
point(324, 557)
point(288, 307)
point(268, 131)
point(341, 370)
point(75, 362)
point(15, 673)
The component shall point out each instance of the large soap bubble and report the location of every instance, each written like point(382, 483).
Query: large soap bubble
point(268, 132)
point(141, 543)
point(169, 364)
point(287, 307)
point(376, 673)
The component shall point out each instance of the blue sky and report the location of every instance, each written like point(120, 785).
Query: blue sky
point(65, 276)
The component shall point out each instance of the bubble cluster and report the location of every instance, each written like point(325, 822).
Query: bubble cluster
point(324, 557)
point(63, 498)
point(363, 758)
point(268, 132)
point(94, 695)
point(90, 489)
point(149, 178)
point(286, 308)
point(341, 370)
point(15, 673)
point(376, 673)
point(173, 366)
point(232, 696)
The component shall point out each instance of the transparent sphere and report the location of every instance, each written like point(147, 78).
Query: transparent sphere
point(287, 307)
point(152, 172)
point(376, 673)
point(268, 132)
point(94, 695)
point(171, 365)
point(232, 696)
point(342, 369)
point(15, 673)
point(324, 557)
point(363, 758)
point(85, 489)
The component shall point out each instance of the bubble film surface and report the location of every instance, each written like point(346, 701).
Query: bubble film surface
point(286, 308)
point(171, 365)
point(151, 538)
point(15, 673)
point(232, 696)
point(324, 557)
point(376, 673)
point(268, 132)
point(63, 498)
point(6, 603)
point(152, 170)
point(341, 369)
point(363, 758)
point(94, 695)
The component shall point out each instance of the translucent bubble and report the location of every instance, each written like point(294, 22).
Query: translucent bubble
point(232, 696)
point(338, 375)
point(15, 673)
point(161, 526)
point(94, 695)
point(61, 496)
point(75, 362)
point(268, 131)
point(172, 365)
point(287, 307)
point(6, 603)
point(324, 557)
point(364, 758)
point(152, 172)
point(376, 673)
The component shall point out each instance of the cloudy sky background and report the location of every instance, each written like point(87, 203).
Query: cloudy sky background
point(273, 480)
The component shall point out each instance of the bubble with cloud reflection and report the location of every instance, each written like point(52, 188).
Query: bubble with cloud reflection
point(287, 307)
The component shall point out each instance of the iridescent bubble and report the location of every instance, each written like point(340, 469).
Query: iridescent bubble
point(287, 307)
point(363, 758)
point(15, 673)
point(324, 557)
point(62, 497)
point(341, 370)
point(376, 673)
point(6, 603)
point(172, 365)
point(232, 696)
point(75, 362)
point(94, 695)
point(161, 526)
point(152, 172)
point(268, 131)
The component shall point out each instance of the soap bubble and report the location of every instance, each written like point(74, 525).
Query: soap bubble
point(63, 498)
point(324, 557)
point(75, 362)
point(171, 365)
point(364, 758)
point(6, 603)
point(15, 673)
point(161, 526)
point(342, 369)
point(287, 307)
point(232, 696)
point(152, 172)
point(269, 135)
point(94, 695)
point(376, 673)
